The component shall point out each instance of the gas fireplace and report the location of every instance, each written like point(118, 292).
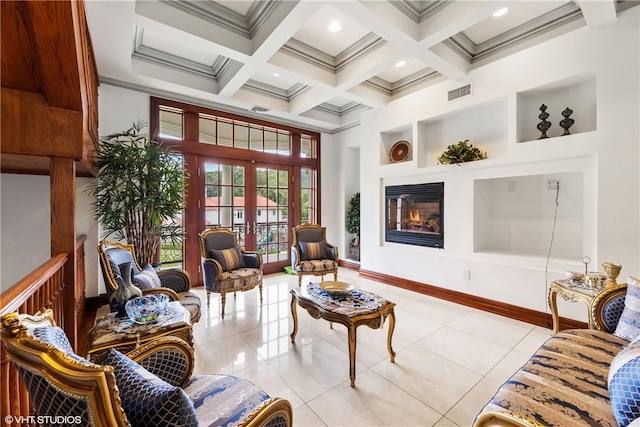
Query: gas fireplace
point(414, 214)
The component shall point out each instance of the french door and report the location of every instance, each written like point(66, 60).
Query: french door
point(254, 201)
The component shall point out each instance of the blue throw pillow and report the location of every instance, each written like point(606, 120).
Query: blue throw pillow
point(147, 278)
point(629, 325)
point(624, 384)
point(146, 399)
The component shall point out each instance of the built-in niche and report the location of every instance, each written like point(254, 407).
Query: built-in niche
point(390, 138)
point(577, 93)
point(415, 214)
point(484, 125)
point(515, 215)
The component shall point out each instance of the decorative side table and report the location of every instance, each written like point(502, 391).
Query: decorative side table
point(124, 335)
point(572, 291)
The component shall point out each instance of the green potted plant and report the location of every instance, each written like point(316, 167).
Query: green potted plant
point(139, 191)
point(352, 225)
point(460, 153)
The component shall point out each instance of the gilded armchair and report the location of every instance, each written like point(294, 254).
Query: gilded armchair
point(226, 266)
point(176, 283)
point(151, 385)
point(311, 254)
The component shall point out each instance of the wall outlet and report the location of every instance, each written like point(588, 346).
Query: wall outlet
point(467, 274)
point(511, 186)
point(553, 184)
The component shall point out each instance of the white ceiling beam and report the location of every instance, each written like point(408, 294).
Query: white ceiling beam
point(404, 39)
point(281, 25)
point(597, 12)
point(309, 99)
point(368, 66)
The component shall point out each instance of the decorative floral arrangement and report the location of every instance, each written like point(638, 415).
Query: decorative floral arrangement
point(460, 153)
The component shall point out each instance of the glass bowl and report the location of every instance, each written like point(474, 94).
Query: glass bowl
point(147, 308)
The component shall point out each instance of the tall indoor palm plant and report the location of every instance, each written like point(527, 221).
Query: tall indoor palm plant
point(139, 191)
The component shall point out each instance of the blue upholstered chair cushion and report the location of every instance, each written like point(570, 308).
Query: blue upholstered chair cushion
point(229, 259)
point(147, 278)
point(146, 399)
point(312, 250)
point(624, 384)
point(629, 325)
point(223, 400)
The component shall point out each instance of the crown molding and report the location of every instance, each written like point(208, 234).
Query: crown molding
point(420, 11)
point(549, 21)
point(338, 111)
point(392, 89)
point(210, 104)
point(215, 13)
point(333, 64)
point(168, 60)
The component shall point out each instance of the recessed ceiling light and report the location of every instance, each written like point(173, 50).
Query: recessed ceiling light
point(400, 63)
point(501, 12)
point(276, 75)
point(334, 27)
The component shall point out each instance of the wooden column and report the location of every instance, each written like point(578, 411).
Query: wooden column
point(63, 236)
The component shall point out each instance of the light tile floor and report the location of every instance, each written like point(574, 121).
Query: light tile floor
point(450, 358)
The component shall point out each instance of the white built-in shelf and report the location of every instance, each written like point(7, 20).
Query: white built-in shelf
point(515, 216)
point(578, 93)
point(484, 125)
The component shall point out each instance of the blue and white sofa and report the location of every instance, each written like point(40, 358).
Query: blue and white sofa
point(579, 377)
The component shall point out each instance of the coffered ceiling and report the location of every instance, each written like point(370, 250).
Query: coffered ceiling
point(280, 61)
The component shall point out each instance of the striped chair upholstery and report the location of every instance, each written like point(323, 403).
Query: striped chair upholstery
point(311, 254)
point(226, 266)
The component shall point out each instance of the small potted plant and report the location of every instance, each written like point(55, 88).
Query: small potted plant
point(352, 225)
point(461, 152)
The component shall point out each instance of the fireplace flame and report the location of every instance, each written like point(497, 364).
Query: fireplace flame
point(415, 216)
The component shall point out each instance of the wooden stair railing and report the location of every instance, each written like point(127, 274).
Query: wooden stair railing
point(39, 290)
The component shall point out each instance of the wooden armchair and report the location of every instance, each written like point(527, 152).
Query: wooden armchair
point(175, 283)
point(151, 386)
point(311, 254)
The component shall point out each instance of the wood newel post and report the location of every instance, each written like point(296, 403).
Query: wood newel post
point(63, 237)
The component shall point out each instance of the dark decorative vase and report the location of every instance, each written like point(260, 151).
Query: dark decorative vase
point(544, 125)
point(567, 122)
point(126, 290)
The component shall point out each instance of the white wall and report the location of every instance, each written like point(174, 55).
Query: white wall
point(605, 155)
point(26, 228)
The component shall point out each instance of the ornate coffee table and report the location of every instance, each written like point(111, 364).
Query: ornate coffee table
point(352, 310)
point(124, 334)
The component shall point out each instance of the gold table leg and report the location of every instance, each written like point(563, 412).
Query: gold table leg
point(554, 310)
point(352, 354)
point(392, 325)
point(294, 314)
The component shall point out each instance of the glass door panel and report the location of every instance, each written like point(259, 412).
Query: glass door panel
point(225, 204)
point(272, 216)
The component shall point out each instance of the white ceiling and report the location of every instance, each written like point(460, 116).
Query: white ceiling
point(280, 55)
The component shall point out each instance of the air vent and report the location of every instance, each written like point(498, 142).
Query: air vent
point(460, 92)
point(258, 109)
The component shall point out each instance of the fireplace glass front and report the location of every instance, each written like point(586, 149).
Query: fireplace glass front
point(414, 214)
